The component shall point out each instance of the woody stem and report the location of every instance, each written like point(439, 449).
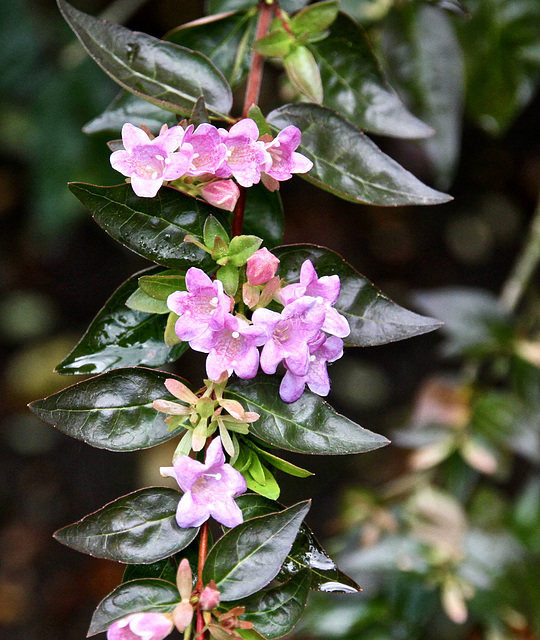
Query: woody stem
point(203, 551)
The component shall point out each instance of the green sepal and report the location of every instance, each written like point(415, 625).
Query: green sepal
point(228, 274)
point(170, 336)
point(265, 484)
point(220, 250)
point(212, 228)
point(304, 73)
point(256, 114)
point(315, 18)
point(276, 44)
point(162, 285)
point(140, 301)
point(241, 248)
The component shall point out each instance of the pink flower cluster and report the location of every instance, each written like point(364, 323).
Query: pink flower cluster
point(304, 336)
point(209, 156)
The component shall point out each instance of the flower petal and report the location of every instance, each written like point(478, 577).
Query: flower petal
point(133, 137)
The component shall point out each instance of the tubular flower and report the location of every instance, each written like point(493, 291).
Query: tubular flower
point(285, 159)
point(141, 626)
point(209, 488)
point(149, 162)
point(208, 149)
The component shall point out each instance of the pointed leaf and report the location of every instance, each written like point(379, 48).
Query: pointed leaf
point(154, 228)
point(347, 163)
point(279, 463)
point(137, 528)
point(121, 337)
point(168, 76)
point(225, 39)
point(250, 555)
point(275, 612)
point(162, 570)
point(306, 551)
point(163, 284)
point(317, 17)
point(374, 319)
point(140, 301)
point(135, 596)
point(355, 86)
point(263, 216)
point(111, 411)
point(309, 425)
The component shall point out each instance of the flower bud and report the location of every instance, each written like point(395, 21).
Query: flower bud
point(182, 616)
point(137, 626)
point(261, 266)
point(184, 580)
point(222, 194)
point(209, 598)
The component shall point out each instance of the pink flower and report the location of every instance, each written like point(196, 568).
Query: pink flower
point(141, 626)
point(261, 267)
point(209, 488)
point(232, 348)
point(149, 162)
point(289, 333)
point(222, 194)
point(328, 350)
point(208, 149)
point(245, 153)
point(326, 290)
point(203, 305)
point(285, 160)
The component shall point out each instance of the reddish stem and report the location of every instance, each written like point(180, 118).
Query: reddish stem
point(238, 215)
point(203, 551)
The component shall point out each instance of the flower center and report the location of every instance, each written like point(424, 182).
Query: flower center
point(150, 161)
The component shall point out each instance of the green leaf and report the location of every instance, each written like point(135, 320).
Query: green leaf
point(250, 555)
point(303, 72)
point(225, 39)
point(139, 528)
point(121, 337)
point(163, 284)
point(261, 480)
point(154, 228)
point(315, 18)
point(276, 44)
point(306, 551)
point(228, 274)
point(168, 76)
point(279, 463)
point(263, 216)
point(213, 228)
point(111, 411)
point(275, 612)
point(347, 163)
point(127, 107)
point(162, 570)
point(216, 6)
point(241, 248)
point(135, 596)
point(355, 86)
point(140, 301)
point(424, 59)
point(309, 425)
point(373, 318)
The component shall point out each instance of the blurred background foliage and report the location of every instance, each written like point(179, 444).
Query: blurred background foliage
point(442, 528)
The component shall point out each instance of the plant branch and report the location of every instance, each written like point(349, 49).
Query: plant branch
point(526, 263)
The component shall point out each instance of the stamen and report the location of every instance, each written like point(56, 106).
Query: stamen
point(160, 157)
point(319, 299)
point(235, 334)
point(167, 161)
point(214, 301)
point(154, 175)
point(312, 358)
point(217, 476)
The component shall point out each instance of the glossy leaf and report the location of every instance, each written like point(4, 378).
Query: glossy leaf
point(424, 60)
point(279, 463)
point(306, 551)
point(275, 612)
point(135, 596)
point(121, 337)
point(111, 411)
point(168, 76)
point(162, 570)
point(264, 216)
point(160, 286)
point(154, 228)
point(250, 555)
point(355, 86)
point(127, 107)
point(347, 163)
point(139, 528)
point(309, 425)
point(225, 39)
point(373, 318)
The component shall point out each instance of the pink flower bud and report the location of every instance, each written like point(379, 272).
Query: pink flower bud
point(182, 616)
point(261, 267)
point(209, 598)
point(222, 194)
point(184, 580)
point(137, 626)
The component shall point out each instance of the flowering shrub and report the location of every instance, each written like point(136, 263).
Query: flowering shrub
point(270, 319)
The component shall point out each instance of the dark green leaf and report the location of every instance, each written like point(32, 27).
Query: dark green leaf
point(162, 570)
point(139, 528)
point(225, 39)
point(374, 319)
point(121, 337)
point(127, 107)
point(111, 411)
point(355, 86)
point(154, 228)
point(162, 285)
point(306, 551)
point(309, 425)
point(424, 58)
point(135, 596)
point(264, 216)
point(163, 73)
point(250, 555)
point(347, 163)
point(275, 611)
